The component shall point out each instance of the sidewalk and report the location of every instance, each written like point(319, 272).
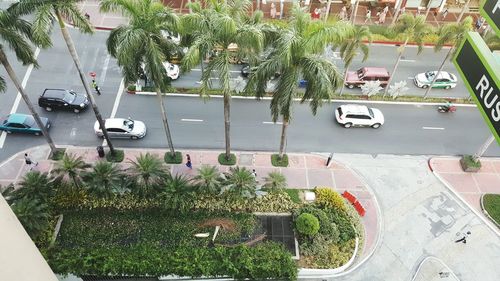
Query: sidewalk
point(469, 187)
point(108, 21)
point(305, 171)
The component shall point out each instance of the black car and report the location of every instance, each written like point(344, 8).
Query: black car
point(247, 70)
point(63, 99)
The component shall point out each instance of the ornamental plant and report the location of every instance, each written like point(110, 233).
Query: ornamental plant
point(307, 224)
point(327, 197)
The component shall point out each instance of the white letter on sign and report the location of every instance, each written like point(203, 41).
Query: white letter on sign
point(497, 6)
point(484, 84)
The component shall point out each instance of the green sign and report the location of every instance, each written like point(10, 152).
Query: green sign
point(491, 12)
point(480, 71)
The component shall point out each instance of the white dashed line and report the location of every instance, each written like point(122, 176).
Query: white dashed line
point(432, 128)
point(192, 120)
point(272, 123)
point(403, 60)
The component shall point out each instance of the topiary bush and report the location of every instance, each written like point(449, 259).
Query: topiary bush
point(329, 198)
point(307, 224)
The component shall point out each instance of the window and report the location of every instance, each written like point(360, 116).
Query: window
point(16, 125)
point(340, 111)
point(115, 130)
point(350, 116)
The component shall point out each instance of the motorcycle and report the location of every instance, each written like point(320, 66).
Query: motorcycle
point(444, 108)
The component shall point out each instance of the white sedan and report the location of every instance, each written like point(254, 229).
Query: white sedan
point(122, 128)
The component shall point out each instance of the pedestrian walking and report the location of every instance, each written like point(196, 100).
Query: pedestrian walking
point(343, 13)
point(381, 18)
point(188, 162)
point(368, 16)
point(464, 237)
point(96, 87)
point(385, 10)
point(273, 11)
point(29, 162)
point(87, 16)
point(254, 174)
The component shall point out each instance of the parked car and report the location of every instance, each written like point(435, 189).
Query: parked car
point(444, 80)
point(61, 99)
point(364, 74)
point(122, 128)
point(172, 70)
point(22, 123)
point(359, 115)
point(246, 70)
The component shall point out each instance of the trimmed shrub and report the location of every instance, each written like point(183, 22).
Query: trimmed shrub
point(58, 154)
point(227, 162)
point(491, 203)
point(307, 224)
point(329, 198)
point(276, 161)
point(326, 226)
point(117, 157)
point(173, 159)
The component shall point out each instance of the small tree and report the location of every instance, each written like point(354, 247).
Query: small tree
point(307, 224)
point(71, 166)
point(148, 172)
point(371, 88)
point(240, 182)
point(208, 180)
point(275, 181)
point(398, 89)
point(33, 215)
point(104, 180)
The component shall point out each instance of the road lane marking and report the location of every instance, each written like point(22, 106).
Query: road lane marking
point(192, 120)
point(117, 99)
point(272, 123)
point(102, 77)
point(18, 97)
point(407, 60)
point(432, 128)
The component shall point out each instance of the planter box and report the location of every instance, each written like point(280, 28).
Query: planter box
point(467, 167)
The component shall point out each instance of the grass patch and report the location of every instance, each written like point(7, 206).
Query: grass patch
point(491, 203)
point(294, 195)
point(228, 162)
point(173, 159)
point(58, 154)
point(279, 162)
point(469, 161)
point(117, 157)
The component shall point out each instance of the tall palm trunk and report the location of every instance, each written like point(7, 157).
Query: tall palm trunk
point(17, 84)
point(76, 60)
point(328, 5)
point(227, 122)
point(395, 66)
point(354, 12)
point(284, 127)
point(345, 78)
point(439, 70)
point(463, 11)
point(396, 12)
point(165, 121)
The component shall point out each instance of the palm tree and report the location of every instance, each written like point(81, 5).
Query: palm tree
point(225, 24)
point(147, 171)
point(15, 34)
point(349, 48)
point(35, 186)
point(142, 42)
point(71, 166)
point(298, 52)
point(275, 181)
point(178, 193)
point(8, 193)
point(450, 33)
point(410, 27)
point(33, 215)
point(240, 182)
point(45, 12)
point(208, 179)
point(104, 180)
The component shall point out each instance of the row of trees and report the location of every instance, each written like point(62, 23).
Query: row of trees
point(295, 51)
point(147, 177)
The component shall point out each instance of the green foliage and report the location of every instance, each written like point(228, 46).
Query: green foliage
point(227, 162)
point(276, 161)
point(117, 157)
point(178, 194)
point(35, 186)
point(307, 224)
point(491, 203)
point(275, 181)
point(329, 255)
point(33, 215)
point(70, 167)
point(329, 198)
point(173, 159)
point(327, 227)
point(105, 179)
point(294, 195)
point(58, 154)
point(148, 173)
point(343, 223)
point(468, 161)
point(240, 182)
point(208, 180)
point(154, 242)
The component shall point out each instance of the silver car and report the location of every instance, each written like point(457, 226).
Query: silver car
point(122, 128)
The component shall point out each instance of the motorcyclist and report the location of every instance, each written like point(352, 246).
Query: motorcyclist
point(447, 106)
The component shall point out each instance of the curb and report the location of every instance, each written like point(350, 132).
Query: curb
point(486, 212)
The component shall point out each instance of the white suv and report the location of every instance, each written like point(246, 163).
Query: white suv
point(359, 115)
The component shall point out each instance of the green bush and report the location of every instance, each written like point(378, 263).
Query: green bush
point(58, 154)
point(307, 224)
point(343, 223)
point(276, 161)
point(329, 198)
point(173, 159)
point(468, 160)
point(117, 157)
point(326, 226)
point(294, 195)
point(491, 203)
point(227, 162)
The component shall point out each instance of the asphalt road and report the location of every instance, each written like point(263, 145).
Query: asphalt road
point(463, 131)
